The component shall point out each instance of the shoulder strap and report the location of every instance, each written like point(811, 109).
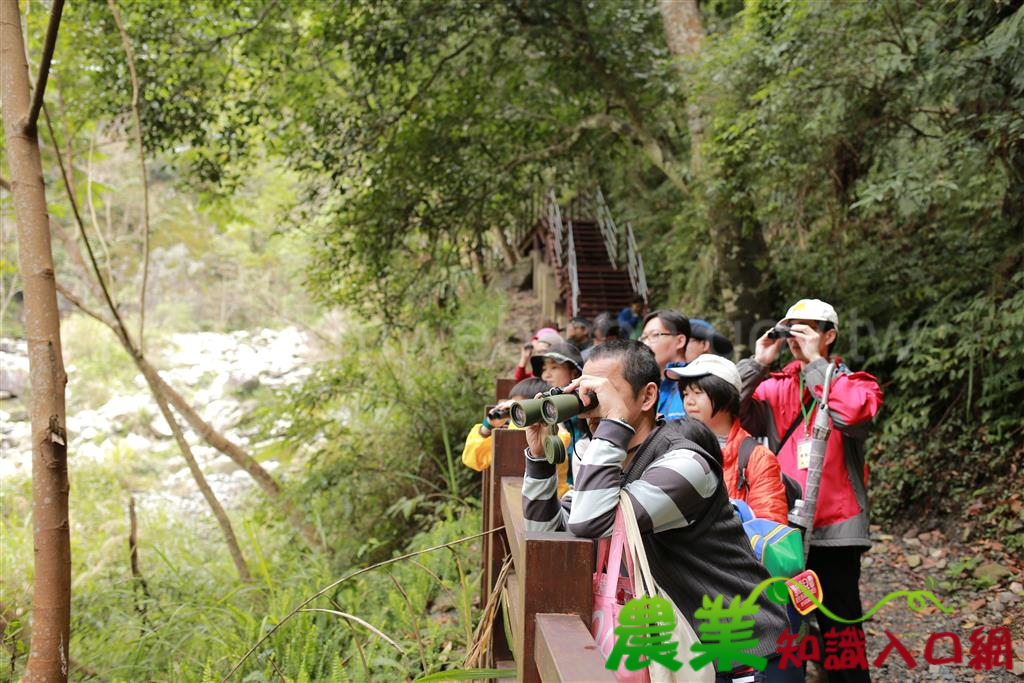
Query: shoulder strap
point(746, 450)
point(792, 427)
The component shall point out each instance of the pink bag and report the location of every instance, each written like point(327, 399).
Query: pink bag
point(611, 592)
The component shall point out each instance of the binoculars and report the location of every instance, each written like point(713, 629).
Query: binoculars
point(780, 331)
point(551, 408)
point(497, 413)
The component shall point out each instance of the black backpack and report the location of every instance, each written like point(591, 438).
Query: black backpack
point(794, 491)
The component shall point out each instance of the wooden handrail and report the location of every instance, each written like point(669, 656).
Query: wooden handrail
point(553, 574)
point(548, 596)
point(558, 652)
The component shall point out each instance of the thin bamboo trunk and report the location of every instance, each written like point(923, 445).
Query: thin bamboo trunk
point(197, 474)
point(133, 557)
point(51, 595)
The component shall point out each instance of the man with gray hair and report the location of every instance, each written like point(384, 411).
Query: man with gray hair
point(694, 541)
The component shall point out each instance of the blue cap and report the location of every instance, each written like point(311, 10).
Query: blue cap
point(702, 329)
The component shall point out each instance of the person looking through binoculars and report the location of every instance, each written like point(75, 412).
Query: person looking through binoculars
point(559, 365)
point(477, 452)
point(695, 543)
point(538, 344)
point(783, 406)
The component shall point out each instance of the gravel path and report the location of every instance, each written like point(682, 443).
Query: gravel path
point(906, 562)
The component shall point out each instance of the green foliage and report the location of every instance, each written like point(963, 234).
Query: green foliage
point(886, 171)
point(878, 148)
point(382, 427)
point(373, 429)
point(467, 675)
point(417, 142)
point(196, 621)
point(98, 366)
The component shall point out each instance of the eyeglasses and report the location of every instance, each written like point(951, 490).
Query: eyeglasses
point(654, 335)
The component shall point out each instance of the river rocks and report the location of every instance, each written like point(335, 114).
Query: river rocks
point(222, 413)
point(13, 369)
point(158, 427)
point(214, 372)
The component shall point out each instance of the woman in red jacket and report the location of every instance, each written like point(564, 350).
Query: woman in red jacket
point(711, 393)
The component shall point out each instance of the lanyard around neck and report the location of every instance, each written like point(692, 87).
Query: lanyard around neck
point(804, 409)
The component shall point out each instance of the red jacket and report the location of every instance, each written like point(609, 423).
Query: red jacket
point(764, 492)
point(769, 406)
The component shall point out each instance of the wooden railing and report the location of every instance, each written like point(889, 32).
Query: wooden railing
point(548, 596)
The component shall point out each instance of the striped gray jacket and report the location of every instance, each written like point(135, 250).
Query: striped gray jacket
point(695, 542)
point(671, 493)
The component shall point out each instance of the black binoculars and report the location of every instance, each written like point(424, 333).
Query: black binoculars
point(552, 407)
point(780, 331)
point(497, 413)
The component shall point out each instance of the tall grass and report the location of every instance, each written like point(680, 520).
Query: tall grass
point(372, 441)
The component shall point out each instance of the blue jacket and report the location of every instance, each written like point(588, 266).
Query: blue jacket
point(670, 399)
point(628, 319)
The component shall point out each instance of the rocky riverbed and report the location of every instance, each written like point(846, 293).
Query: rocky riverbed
point(215, 371)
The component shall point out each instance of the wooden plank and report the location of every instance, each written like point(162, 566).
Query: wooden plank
point(506, 459)
point(565, 651)
point(558, 579)
point(554, 573)
point(514, 604)
point(512, 512)
point(486, 578)
point(503, 387)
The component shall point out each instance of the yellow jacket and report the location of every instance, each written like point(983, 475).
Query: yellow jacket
point(477, 454)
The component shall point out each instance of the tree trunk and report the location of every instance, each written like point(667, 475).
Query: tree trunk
point(133, 559)
point(229, 448)
point(747, 284)
point(204, 487)
point(51, 595)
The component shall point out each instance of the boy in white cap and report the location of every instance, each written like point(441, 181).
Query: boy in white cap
point(781, 406)
point(710, 386)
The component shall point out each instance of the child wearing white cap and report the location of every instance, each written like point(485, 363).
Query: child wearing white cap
point(710, 387)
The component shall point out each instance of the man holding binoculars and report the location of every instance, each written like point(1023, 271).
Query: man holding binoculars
point(694, 541)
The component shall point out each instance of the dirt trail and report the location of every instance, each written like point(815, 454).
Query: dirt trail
point(980, 581)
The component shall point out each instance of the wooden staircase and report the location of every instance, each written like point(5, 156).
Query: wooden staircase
point(583, 264)
point(602, 286)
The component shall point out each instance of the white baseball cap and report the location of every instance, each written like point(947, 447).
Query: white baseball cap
point(708, 364)
point(812, 309)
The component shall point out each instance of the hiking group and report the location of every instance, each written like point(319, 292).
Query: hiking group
point(693, 439)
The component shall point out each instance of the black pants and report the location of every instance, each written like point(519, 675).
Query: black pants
point(839, 572)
